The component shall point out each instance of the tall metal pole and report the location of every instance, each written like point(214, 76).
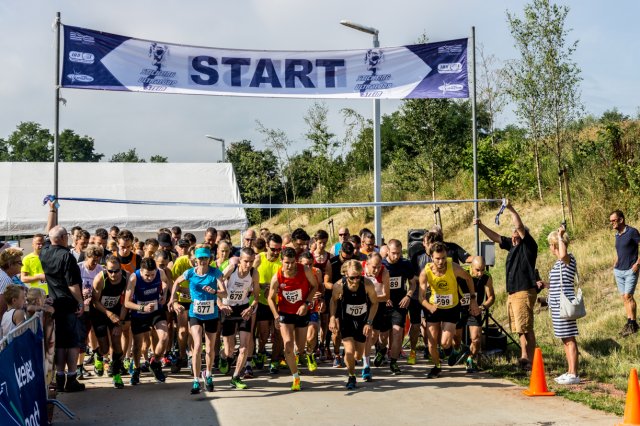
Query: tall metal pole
point(377, 162)
point(56, 126)
point(474, 127)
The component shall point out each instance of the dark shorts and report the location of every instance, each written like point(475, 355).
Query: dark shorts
point(142, 324)
point(382, 320)
point(451, 315)
point(415, 312)
point(263, 313)
point(210, 325)
point(398, 316)
point(314, 317)
point(234, 321)
point(352, 327)
point(297, 320)
point(70, 330)
point(102, 325)
point(464, 317)
point(474, 321)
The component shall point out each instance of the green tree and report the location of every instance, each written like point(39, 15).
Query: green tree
point(74, 147)
point(130, 156)
point(29, 142)
point(158, 159)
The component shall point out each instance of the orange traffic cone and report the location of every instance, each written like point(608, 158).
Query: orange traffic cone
point(632, 406)
point(537, 381)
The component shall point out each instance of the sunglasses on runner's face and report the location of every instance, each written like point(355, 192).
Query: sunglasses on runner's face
point(275, 250)
point(113, 271)
point(353, 278)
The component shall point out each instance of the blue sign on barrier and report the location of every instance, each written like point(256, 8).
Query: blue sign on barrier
point(23, 399)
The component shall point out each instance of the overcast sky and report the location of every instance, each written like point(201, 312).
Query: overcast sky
point(175, 125)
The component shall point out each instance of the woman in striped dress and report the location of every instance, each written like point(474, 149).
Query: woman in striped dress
point(566, 330)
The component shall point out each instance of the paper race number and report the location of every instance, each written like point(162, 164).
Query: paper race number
point(236, 296)
point(110, 301)
point(466, 299)
point(395, 283)
point(444, 300)
point(292, 296)
point(357, 310)
point(203, 307)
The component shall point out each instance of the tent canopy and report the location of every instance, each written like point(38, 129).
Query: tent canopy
point(26, 184)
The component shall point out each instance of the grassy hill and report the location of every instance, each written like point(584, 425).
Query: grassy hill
point(605, 359)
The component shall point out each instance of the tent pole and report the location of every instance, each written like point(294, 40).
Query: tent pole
point(474, 127)
point(56, 129)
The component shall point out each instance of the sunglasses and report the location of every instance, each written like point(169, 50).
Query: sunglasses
point(353, 278)
point(343, 235)
point(275, 249)
point(249, 239)
point(113, 271)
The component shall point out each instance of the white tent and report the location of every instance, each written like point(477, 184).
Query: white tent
point(25, 185)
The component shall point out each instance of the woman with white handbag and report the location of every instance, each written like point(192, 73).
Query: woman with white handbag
point(561, 286)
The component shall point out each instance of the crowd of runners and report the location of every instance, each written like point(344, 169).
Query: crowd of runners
point(274, 303)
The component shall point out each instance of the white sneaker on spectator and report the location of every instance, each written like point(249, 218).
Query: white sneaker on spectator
point(561, 377)
point(569, 379)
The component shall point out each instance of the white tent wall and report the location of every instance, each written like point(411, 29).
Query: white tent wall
point(24, 186)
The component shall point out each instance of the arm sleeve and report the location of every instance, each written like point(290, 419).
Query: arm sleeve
point(505, 243)
point(73, 275)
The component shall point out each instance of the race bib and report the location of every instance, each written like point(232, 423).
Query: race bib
point(444, 300)
point(236, 296)
point(466, 299)
point(395, 283)
point(357, 310)
point(292, 296)
point(203, 307)
point(110, 301)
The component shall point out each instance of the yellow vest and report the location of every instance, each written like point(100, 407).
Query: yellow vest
point(444, 289)
point(31, 266)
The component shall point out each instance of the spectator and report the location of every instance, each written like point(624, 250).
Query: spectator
point(625, 267)
point(10, 265)
point(521, 281)
point(14, 296)
point(343, 235)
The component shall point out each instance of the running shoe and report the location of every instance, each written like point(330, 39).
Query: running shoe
point(166, 362)
point(110, 370)
point(471, 366)
point(311, 362)
point(88, 360)
point(425, 353)
point(209, 383)
point(568, 379)
point(464, 351)
point(117, 381)
point(248, 373)
point(135, 376)
point(273, 368)
point(195, 388)
point(295, 386)
point(336, 362)
point(411, 359)
point(156, 370)
point(98, 366)
point(175, 366)
point(73, 385)
point(144, 366)
point(434, 373)
point(259, 361)
point(236, 382)
point(628, 329)
point(560, 377)
point(366, 374)
point(223, 366)
point(453, 357)
point(377, 361)
point(395, 370)
point(351, 383)
point(283, 363)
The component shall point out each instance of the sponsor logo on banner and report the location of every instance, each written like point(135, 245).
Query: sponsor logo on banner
point(81, 78)
point(371, 85)
point(451, 48)
point(451, 68)
point(81, 57)
point(157, 80)
point(82, 38)
point(450, 87)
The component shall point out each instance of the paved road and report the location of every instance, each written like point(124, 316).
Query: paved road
point(453, 399)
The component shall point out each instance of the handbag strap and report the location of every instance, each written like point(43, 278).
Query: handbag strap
point(575, 279)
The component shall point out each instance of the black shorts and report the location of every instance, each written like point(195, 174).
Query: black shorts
point(464, 318)
point(234, 321)
point(70, 330)
point(451, 315)
point(210, 325)
point(142, 324)
point(263, 313)
point(101, 324)
point(415, 312)
point(353, 327)
point(382, 320)
point(297, 320)
point(398, 316)
point(474, 321)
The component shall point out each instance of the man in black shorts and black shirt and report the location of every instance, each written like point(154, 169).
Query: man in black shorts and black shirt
point(402, 286)
point(65, 288)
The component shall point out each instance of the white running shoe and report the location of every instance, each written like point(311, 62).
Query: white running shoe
point(560, 378)
point(569, 379)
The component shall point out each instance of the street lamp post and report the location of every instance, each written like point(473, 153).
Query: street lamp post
point(377, 162)
point(224, 150)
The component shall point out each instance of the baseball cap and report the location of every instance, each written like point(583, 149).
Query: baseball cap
point(164, 240)
point(183, 242)
point(347, 248)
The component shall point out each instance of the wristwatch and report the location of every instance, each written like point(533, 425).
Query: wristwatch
point(369, 322)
